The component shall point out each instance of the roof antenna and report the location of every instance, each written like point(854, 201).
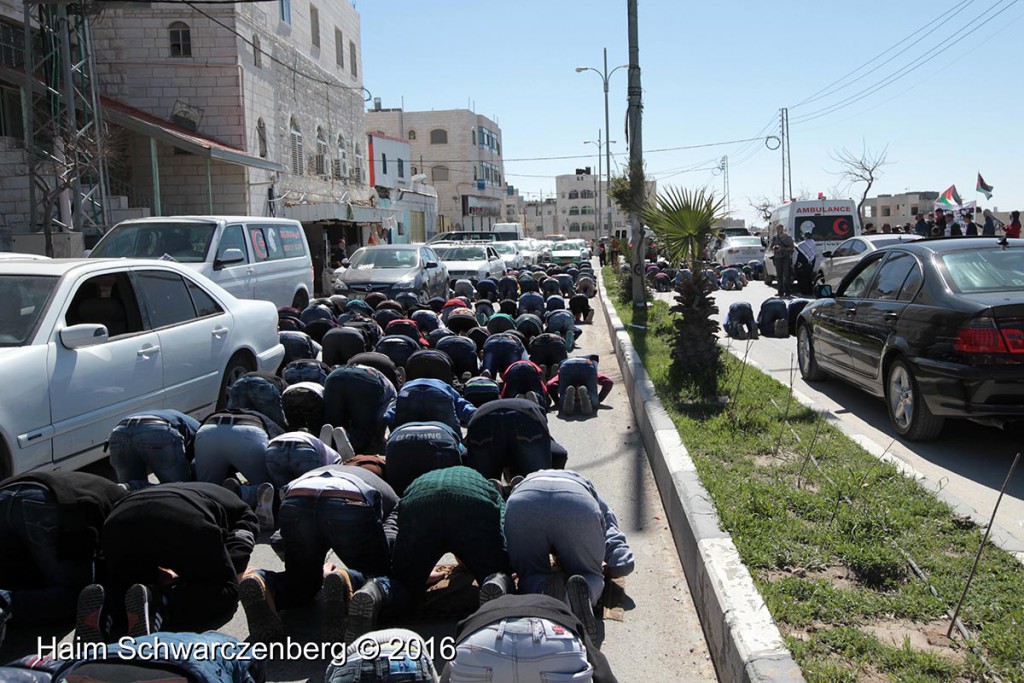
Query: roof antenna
point(1003, 242)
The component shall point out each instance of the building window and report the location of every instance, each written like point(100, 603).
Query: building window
point(296, 141)
point(357, 172)
point(587, 194)
point(439, 136)
point(181, 40)
point(588, 227)
point(352, 59)
point(314, 26)
point(339, 48)
point(11, 123)
point(321, 152)
point(574, 211)
point(401, 168)
point(587, 211)
point(284, 8)
point(472, 136)
point(384, 163)
point(411, 135)
point(340, 166)
point(439, 173)
point(261, 138)
point(574, 227)
point(573, 194)
point(257, 53)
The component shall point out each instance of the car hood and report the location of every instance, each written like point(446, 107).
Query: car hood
point(356, 276)
point(567, 251)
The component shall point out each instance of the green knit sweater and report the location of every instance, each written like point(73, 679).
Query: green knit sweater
point(449, 485)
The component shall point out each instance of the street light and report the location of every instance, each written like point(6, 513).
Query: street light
point(597, 184)
point(605, 75)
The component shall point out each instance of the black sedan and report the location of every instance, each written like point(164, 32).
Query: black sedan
point(935, 327)
point(392, 269)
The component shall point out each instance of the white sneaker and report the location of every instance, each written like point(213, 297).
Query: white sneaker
point(569, 401)
point(590, 316)
point(265, 506)
point(586, 405)
point(327, 434)
point(342, 445)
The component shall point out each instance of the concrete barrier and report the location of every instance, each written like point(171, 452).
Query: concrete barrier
point(744, 642)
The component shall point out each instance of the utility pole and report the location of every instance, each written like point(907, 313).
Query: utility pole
point(607, 146)
point(597, 189)
point(634, 118)
point(725, 182)
point(787, 167)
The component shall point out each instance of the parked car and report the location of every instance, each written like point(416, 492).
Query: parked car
point(469, 261)
point(569, 251)
point(18, 256)
point(934, 326)
point(251, 257)
point(85, 342)
point(739, 250)
point(528, 251)
point(509, 253)
point(392, 269)
point(834, 265)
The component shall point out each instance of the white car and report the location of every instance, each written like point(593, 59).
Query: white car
point(510, 254)
point(470, 260)
point(834, 265)
point(528, 251)
point(85, 342)
point(739, 250)
point(16, 256)
point(569, 251)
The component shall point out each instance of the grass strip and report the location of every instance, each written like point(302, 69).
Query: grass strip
point(831, 573)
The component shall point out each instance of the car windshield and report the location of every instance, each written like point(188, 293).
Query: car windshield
point(568, 245)
point(988, 270)
point(504, 248)
point(744, 242)
point(22, 301)
point(523, 245)
point(462, 253)
point(365, 259)
point(182, 242)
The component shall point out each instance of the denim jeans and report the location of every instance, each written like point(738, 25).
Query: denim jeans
point(287, 460)
point(41, 587)
point(140, 444)
point(507, 438)
point(396, 662)
point(577, 540)
point(523, 649)
point(312, 525)
point(228, 447)
point(576, 372)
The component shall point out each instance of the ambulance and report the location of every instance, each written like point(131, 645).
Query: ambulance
point(830, 222)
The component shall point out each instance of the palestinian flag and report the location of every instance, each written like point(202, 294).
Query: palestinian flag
point(950, 199)
point(984, 188)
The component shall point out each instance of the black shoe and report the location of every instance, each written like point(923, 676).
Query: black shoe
point(143, 615)
point(363, 610)
point(233, 485)
point(90, 618)
point(336, 595)
point(577, 591)
point(265, 625)
point(554, 585)
point(495, 586)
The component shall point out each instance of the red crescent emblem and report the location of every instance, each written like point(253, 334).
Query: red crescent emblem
point(841, 227)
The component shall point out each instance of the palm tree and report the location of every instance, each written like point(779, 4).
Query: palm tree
point(682, 219)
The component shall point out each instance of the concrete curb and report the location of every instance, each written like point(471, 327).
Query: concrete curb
point(744, 642)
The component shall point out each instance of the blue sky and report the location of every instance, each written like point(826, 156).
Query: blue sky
point(720, 71)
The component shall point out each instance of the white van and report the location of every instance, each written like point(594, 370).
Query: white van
point(508, 229)
point(828, 222)
point(251, 257)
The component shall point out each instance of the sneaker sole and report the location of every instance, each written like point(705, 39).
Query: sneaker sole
point(569, 401)
point(554, 586)
point(336, 599)
point(265, 510)
point(89, 613)
point(490, 591)
point(586, 405)
point(136, 604)
point(578, 594)
point(265, 626)
point(362, 615)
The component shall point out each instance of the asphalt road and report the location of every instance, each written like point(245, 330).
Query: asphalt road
point(968, 460)
point(658, 637)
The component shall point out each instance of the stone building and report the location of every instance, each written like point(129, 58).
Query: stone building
point(580, 214)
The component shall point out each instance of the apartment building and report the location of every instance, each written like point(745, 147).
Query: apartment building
point(540, 217)
point(583, 203)
point(460, 152)
point(898, 209)
point(407, 203)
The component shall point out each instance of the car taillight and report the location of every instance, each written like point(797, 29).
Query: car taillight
point(731, 251)
point(984, 335)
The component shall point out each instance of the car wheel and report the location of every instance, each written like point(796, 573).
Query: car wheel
point(908, 410)
point(301, 300)
point(809, 369)
point(768, 279)
point(236, 367)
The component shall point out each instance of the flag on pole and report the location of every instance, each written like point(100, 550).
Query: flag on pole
point(984, 188)
point(950, 199)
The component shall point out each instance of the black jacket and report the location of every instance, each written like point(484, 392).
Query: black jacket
point(83, 502)
point(203, 532)
point(541, 607)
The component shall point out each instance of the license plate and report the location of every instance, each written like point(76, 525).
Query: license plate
point(357, 295)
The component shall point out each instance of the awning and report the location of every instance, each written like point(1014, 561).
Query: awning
point(151, 126)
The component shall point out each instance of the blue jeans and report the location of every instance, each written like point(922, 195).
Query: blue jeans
point(390, 666)
point(229, 446)
point(312, 525)
point(576, 372)
point(140, 444)
point(521, 649)
point(39, 585)
point(287, 460)
point(507, 438)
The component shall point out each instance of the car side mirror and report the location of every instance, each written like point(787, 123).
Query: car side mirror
point(431, 264)
point(827, 254)
point(229, 258)
point(345, 263)
point(823, 291)
point(80, 336)
point(85, 254)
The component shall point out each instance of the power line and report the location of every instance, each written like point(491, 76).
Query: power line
point(821, 94)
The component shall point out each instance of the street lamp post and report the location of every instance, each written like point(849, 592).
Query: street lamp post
point(597, 189)
point(605, 75)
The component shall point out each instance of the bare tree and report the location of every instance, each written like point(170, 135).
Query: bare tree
point(763, 206)
point(865, 168)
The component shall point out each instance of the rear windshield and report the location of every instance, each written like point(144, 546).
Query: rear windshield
point(989, 270)
point(504, 248)
point(461, 253)
point(182, 242)
point(824, 228)
point(22, 301)
point(744, 242)
point(892, 240)
point(384, 258)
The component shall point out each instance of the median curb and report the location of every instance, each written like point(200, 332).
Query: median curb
point(744, 642)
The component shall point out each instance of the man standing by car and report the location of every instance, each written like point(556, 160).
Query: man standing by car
point(339, 253)
point(782, 247)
